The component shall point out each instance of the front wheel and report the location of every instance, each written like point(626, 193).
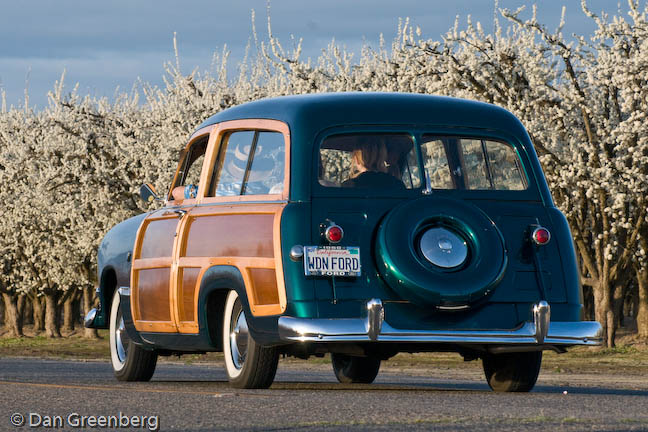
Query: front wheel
point(512, 372)
point(248, 364)
point(130, 362)
point(350, 369)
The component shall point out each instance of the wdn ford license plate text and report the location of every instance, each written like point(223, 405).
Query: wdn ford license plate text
point(331, 261)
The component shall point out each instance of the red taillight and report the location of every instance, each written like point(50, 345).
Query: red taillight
point(334, 234)
point(541, 236)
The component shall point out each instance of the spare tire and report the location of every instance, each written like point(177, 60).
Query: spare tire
point(441, 252)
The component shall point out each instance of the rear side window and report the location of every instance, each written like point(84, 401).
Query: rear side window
point(249, 163)
point(473, 164)
point(378, 161)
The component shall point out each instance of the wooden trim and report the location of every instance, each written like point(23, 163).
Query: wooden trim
point(200, 132)
point(242, 198)
point(155, 326)
point(137, 247)
point(239, 262)
point(281, 286)
point(149, 263)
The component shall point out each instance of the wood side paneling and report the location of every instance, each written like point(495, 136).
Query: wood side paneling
point(264, 286)
point(153, 294)
point(242, 235)
point(187, 297)
point(158, 238)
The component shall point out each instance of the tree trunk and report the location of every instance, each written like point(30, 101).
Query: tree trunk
point(602, 306)
point(68, 314)
point(52, 329)
point(39, 314)
point(615, 314)
point(21, 307)
point(13, 319)
point(70, 310)
point(88, 300)
point(3, 316)
point(642, 310)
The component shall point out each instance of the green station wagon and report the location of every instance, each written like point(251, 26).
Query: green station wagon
point(360, 225)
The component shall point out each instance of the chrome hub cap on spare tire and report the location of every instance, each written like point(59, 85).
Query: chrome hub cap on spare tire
point(239, 340)
point(443, 248)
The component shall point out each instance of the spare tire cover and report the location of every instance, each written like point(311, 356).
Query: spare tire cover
point(414, 239)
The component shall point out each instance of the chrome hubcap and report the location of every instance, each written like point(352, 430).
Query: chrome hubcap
point(121, 338)
point(443, 248)
point(239, 340)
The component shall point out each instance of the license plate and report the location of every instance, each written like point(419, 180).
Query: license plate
point(332, 261)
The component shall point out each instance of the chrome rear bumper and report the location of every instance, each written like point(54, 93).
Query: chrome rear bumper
point(540, 331)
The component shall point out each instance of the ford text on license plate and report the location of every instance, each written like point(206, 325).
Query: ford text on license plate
point(331, 261)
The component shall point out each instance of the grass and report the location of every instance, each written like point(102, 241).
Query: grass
point(629, 358)
point(72, 346)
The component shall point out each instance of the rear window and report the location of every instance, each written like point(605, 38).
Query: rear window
point(388, 162)
point(470, 163)
point(384, 161)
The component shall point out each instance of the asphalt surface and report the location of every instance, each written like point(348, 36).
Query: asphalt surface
point(54, 395)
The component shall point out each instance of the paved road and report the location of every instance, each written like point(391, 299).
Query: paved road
point(307, 397)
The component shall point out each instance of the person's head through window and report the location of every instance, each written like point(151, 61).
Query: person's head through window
point(369, 156)
point(373, 166)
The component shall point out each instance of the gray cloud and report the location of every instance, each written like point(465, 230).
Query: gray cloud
point(106, 44)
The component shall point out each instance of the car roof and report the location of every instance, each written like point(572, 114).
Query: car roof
point(322, 110)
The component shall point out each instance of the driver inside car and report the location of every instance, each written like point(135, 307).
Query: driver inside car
point(373, 167)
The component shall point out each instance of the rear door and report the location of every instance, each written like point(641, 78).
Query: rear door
point(238, 220)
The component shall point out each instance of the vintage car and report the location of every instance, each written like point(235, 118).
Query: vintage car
point(360, 225)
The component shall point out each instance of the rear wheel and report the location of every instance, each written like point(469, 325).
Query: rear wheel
point(350, 369)
point(130, 362)
point(512, 372)
point(248, 364)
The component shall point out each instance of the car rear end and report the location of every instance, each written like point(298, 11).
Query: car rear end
point(466, 253)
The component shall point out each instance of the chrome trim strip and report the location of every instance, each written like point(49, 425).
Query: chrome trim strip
point(125, 291)
point(279, 201)
point(374, 328)
point(453, 308)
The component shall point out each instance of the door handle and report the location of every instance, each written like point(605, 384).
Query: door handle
point(178, 212)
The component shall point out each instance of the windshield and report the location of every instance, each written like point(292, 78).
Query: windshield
point(388, 162)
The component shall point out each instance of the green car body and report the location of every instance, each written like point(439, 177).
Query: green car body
point(502, 294)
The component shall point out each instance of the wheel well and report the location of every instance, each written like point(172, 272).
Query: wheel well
point(214, 308)
point(108, 286)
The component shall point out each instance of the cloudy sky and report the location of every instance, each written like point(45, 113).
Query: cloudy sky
point(103, 45)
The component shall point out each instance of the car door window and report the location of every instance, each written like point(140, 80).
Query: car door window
point(474, 164)
point(435, 163)
point(189, 174)
point(250, 163)
point(266, 173)
point(232, 163)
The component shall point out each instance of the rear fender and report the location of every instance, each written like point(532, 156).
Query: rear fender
point(218, 280)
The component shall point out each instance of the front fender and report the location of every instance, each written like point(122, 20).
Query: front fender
point(114, 258)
